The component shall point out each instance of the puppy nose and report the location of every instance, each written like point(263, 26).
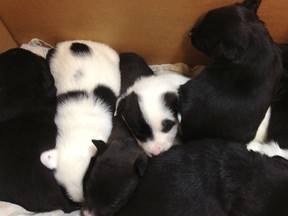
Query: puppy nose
point(156, 151)
point(87, 213)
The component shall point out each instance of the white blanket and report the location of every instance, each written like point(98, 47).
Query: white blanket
point(9, 209)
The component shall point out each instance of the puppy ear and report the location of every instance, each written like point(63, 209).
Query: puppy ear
point(100, 145)
point(120, 106)
point(140, 164)
point(252, 5)
point(225, 52)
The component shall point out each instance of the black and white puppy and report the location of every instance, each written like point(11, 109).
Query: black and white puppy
point(278, 124)
point(151, 110)
point(229, 98)
point(122, 162)
point(211, 177)
point(87, 79)
point(27, 128)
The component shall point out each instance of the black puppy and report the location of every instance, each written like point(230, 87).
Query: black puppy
point(211, 178)
point(27, 109)
point(120, 164)
point(278, 124)
point(229, 98)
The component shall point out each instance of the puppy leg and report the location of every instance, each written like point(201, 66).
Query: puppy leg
point(49, 159)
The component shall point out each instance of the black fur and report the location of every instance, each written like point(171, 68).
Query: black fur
point(50, 54)
point(27, 128)
point(229, 98)
point(120, 166)
point(72, 95)
point(80, 49)
point(131, 65)
point(105, 94)
point(278, 125)
point(167, 124)
point(211, 177)
point(135, 119)
point(171, 101)
point(123, 162)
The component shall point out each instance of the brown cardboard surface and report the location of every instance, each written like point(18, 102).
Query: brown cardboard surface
point(156, 29)
point(7, 41)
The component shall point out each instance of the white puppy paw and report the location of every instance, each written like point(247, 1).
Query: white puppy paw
point(49, 159)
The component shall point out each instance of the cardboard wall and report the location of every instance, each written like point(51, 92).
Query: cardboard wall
point(7, 40)
point(156, 29)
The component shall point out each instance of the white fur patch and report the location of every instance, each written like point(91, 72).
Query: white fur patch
point(79, 121)
point(258, 144)
point(72, 72)
point(150, 91)
point(49, 159)
point(270, 149)
point(261, 134)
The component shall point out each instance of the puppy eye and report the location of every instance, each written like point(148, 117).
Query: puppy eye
point(167, 125)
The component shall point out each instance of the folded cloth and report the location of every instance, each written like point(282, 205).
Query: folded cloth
point(37, 46)
point(178, 68)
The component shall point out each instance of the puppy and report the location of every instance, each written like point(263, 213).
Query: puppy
point(278, 124)
point(211, 177)
point(121, 163)
point(150, 109)
point(27, 128)
point(87, 79)
point(229, 98)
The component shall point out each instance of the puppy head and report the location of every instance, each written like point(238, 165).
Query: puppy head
point(152, 120)
point(225, 33)
point(113, 178)
point(25, 82)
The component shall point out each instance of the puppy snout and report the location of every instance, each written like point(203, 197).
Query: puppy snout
point(86, 212)
point(156, 151)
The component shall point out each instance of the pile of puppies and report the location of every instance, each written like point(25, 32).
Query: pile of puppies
point(105, 142)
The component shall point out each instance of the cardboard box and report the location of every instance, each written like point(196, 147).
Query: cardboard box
point(156, 29)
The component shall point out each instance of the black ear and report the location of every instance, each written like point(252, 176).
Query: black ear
point(120, 106)
point(252, 5)
point(100, 145)
point(140, 164)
